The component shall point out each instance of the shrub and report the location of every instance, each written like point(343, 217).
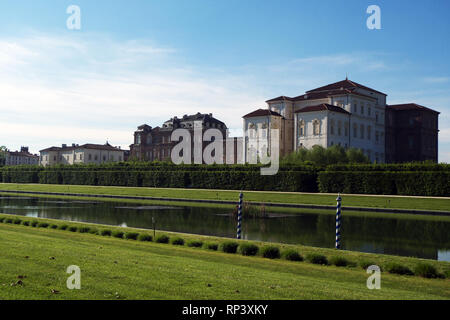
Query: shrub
point(162, 239)
point(248, 249)
point(93, 231)
point(43, 225)
point(211, 246)
point(426, 270)
point(270, 252)
point(178, 241)
point(26, 223)
point(131, 235)
point(145, 237)
point(2, 219)
point(84, 229)
point(63, 227)
point(292, 255)
point(317, 258)
point(366, 263)
point(398, 269)
point(229, 246)
point(73, 229)
point(339, 261)
point(54, 226)
point(106, 232)
point(118, 234)
point(195, 243)
point(34, 223)
point(8, 220)
point(17, 221)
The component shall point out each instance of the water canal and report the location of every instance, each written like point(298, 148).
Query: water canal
point(386, 234)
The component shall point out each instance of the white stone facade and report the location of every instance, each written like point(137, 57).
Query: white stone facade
point(85, 154)
point(313, 119)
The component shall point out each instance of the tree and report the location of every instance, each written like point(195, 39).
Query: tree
point(321, 156)
point(3, 155)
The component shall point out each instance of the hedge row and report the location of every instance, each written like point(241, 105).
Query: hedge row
point(232, 247)
point(425, 183)
point(402, 179)
point(245, 180)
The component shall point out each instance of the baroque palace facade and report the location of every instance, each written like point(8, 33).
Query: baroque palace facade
point(348, 114)
point(155, 143)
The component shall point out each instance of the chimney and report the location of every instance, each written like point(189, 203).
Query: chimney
point(64, 145)
point(24, 149)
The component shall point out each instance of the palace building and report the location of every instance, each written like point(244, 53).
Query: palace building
point(152, 144)
point(348, 114)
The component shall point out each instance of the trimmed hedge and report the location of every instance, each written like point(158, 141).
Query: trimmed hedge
point(229, 246)
point(248, 249)
point(425, 179)
point(425, 183)
point(270, 252)
point(317, 258)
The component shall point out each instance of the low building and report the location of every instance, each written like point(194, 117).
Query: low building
point(84, 154)
point(14, 158)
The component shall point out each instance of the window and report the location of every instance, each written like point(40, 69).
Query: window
point(362, 108)
point(96, 157)
point(355, 130)
point(149, 139)
point(411, 142)
point(377, 136)
point(339, 127)
point(302, 128)
point(369, 110)
point(354, 108)
point(346, 129)
point(369, 132)
point(332, 126)
point(138, 139)
point(90, 157)
point(376, 117)
point(362, 131)
point(316, 127)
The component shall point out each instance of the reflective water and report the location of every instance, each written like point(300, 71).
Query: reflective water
point(406, 237)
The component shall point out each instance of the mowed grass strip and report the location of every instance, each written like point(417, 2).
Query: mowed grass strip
point(256, 196)
point(127, 269)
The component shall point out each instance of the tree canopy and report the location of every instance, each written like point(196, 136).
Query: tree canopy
point(321, 156)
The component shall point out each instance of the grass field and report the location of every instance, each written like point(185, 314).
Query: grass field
point(126, 269)
point(393, 202)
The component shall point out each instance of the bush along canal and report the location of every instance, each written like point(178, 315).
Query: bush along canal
point(422, 238)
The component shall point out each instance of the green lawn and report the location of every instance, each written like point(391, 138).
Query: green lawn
point(258, 196)
point(126, 269)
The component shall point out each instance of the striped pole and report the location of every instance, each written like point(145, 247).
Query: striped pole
point(239, 216)
point(338, 222)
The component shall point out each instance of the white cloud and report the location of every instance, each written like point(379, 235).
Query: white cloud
point(88, 90)
point(436, 79)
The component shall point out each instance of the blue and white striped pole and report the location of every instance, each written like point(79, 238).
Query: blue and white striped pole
point(338, 222)
point(239, 216)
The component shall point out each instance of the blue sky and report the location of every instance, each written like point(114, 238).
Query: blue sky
point(137, 62)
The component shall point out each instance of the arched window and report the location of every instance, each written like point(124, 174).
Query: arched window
point(316, 127)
